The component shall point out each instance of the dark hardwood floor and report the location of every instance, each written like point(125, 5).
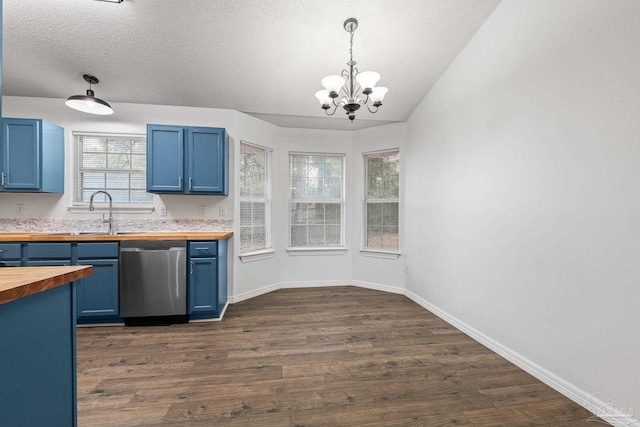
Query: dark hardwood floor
point(340, 356)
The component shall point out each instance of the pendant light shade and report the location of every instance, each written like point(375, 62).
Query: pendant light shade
point(89, 103)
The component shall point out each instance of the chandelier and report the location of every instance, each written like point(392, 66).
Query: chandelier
point(353, 84)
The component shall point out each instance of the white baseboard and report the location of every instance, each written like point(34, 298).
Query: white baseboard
point(597, 404)
point(378, 287)
point(314, 284)
point(254, 293)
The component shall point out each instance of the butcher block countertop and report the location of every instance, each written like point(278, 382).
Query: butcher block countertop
point(121, 235)
point(19, 282)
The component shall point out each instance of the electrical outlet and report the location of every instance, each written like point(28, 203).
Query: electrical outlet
point(201, 210)
point(162, 210)
point(19, 209)
point(222, 210)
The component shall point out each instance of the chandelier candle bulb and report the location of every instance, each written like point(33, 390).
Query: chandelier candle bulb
point(350, 84)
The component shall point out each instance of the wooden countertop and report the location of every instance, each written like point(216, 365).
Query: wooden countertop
point(19, 282)
point(155, 235)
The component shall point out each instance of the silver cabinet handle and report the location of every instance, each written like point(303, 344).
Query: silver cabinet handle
point(201, 249)
point(192, 268)
point(2, 174)
point(1, 251)
point(180, 182)
point(190, 182)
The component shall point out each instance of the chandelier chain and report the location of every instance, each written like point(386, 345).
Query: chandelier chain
point(351, 45)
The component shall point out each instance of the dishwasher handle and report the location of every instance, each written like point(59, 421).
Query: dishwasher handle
point(174, 249)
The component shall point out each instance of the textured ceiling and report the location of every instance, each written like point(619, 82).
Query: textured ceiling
point(262, 57)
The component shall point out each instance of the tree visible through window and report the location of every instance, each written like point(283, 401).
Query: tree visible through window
point(316, 200)
point(382, 196)
point(255, 188)
point(113, 163)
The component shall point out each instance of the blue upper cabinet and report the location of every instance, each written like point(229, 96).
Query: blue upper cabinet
point(187, 160)
point(31, 156)
point(165, 159)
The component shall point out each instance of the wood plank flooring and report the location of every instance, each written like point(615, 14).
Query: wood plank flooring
point(339, 356)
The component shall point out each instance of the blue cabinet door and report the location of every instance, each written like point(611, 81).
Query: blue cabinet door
point(32, 156)
point(206, 160)
point(203, 285)
point(20, 154)
point(165, 159)
point(97, 295)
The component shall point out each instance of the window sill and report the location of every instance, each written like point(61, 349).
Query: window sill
point(334, 250)
point(377, 253)
point(83, 209)
point(257, 255)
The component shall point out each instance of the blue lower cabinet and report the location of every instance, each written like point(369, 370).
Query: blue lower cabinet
point(203, 273)
point(97, 295)
point(207, 284)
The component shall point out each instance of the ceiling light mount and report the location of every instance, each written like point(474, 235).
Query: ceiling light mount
point(89, 103)
point(351, 83)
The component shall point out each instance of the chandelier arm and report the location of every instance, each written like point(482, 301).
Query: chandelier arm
point(335, 108)
point(370, 110)
point(366, 102)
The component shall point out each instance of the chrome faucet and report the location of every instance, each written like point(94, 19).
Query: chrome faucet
point(110, 220)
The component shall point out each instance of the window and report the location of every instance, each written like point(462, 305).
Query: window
point(113, 163)
point(316, 201)
point(382, 170)
point(255, 197)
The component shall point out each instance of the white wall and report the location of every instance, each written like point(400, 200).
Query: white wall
point(386, 273)
point(247, 278)
point(523, 191)
point(252, 276)
point(128, 118)
point(310, 268)
point(284, 269)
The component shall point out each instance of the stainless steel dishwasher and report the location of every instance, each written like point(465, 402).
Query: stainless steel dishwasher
point(153, 282)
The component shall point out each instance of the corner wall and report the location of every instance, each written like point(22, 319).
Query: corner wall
point(523, 193)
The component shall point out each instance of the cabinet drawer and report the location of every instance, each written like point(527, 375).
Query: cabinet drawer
point(9, 251)
point(98, 250)
point(203, 249)
point(49, 250)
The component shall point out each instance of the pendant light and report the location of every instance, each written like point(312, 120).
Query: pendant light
point(356, 88)
point(89, 103)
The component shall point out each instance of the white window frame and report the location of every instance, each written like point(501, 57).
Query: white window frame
point(324, 250)
point(371, 251)
point(80, 206)
point(255, 253)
